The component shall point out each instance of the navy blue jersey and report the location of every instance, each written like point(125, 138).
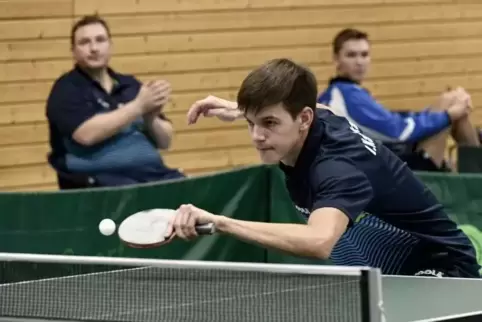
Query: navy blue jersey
point(396, 223)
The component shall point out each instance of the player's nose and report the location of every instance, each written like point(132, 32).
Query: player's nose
point(257, 134)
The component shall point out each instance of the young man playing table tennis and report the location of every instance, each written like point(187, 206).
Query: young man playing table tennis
point(362, 204)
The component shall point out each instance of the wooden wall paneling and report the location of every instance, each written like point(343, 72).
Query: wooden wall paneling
point(208, 47)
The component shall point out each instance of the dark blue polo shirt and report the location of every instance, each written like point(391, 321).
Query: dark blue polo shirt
point(396, 223)
point(126, 158)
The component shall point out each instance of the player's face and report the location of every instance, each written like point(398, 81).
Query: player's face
point(353, 59)
point(275, 134)
point(92, 46)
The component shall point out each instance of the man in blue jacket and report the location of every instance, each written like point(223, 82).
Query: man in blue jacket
point(418, 138)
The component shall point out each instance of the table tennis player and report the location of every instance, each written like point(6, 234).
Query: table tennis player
point(363, 206)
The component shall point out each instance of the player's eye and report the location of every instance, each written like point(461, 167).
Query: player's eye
point(269, 123)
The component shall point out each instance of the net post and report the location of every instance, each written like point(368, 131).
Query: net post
point(372, 301)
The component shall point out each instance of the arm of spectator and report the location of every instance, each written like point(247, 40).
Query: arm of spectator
point(367, 112)
point(160, 129)
point(76, 117)
point(100, 127)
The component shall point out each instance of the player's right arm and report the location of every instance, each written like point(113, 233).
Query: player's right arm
point(210, 106)
point(341, 193)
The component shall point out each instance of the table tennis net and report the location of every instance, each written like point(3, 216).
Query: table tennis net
point(154, 291)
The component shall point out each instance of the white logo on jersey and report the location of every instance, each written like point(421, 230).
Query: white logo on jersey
point(304, 211)
point(367, 142)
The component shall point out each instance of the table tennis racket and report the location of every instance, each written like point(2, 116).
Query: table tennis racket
point(148, 228)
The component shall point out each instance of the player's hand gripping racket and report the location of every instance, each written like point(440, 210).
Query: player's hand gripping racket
point(149, 228)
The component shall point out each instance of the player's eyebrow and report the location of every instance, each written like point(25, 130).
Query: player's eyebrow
point(265, 118)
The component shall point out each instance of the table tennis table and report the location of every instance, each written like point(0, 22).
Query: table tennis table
point(167, 290)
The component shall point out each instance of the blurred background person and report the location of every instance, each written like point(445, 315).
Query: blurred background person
point(418, 138)
point(106, 127)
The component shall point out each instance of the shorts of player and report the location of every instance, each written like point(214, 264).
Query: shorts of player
point(440, 272)
point(421, 161)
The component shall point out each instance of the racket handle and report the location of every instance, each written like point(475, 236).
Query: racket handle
point(206, 229)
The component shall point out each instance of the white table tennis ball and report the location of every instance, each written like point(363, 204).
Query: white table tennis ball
point(107, 227)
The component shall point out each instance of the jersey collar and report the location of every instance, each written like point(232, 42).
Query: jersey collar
point(310, 149)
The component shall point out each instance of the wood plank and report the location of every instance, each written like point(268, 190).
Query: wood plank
point(33, 70)
point(141, 44)
point(35, 8)
point(415, 50)
point(34, 49)
point(195, 160)
point(208, 171)
point(32, 188)
point(148, 6)
point(35, 29)
point(23, 155)
point(203, 81)
point(28, 175)
point(424, 85)
point(393, 20)
point(423, 30)
point(218, 139)
point(181, 102)
point(423, 67)
point(20, 134)
point(24, 92)
point(245, 60)
point(22, 113)
point(281, 39)
point(198, 61)
point(244, 156)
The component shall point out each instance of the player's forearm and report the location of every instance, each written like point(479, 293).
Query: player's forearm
point(161, 131)
point(295, 239)
point(232, 107)
point(105, 125)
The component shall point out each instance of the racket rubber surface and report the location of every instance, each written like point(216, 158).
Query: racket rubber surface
point(148, 228)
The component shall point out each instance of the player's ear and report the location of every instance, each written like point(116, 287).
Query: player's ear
point(306, 118)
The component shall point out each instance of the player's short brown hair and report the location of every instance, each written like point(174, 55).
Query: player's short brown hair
point(278, 81)
point(346, 35)
point(85, 21)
